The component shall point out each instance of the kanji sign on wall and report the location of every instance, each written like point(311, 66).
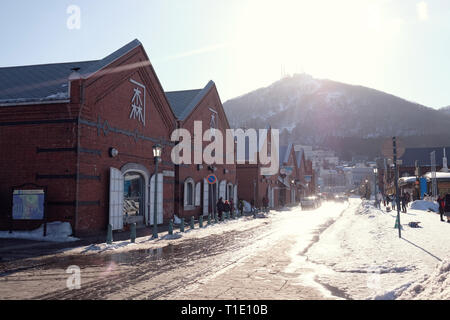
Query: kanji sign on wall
point(138, 102)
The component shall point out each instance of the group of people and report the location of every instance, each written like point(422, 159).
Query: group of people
point(444, 206)
point(227, 206)
point(388, 200)
point(224, 206)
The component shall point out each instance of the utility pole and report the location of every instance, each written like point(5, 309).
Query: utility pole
point(397, 195)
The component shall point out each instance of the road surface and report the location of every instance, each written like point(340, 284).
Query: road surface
point(264, 261)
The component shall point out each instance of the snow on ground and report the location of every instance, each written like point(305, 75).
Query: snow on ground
point(367, 259)
point(56, 232)
point(241, 224)
point(436, 286)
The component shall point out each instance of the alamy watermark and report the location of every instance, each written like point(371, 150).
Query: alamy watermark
point(74, 280)
point(238, 146)
point(74, 19)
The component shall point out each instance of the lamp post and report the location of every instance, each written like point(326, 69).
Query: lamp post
point(157, 150)
point(375, 172)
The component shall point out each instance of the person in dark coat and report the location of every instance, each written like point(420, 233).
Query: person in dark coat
point(403, 200)
point(220, 207)
point(226, 207)
point(441, 201)
point(447, 207)
point(241, 206)
point(265, 203)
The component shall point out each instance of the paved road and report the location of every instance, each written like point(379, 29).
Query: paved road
point(266, 261)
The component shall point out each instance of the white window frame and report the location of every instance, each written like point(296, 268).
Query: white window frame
point(198, 194)
point(185, 194)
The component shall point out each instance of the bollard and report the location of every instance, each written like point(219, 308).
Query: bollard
point(209, 219)
point(192, 222)
point(133, 232)
point(200, 221)
point(170, 227)
point(182, 225)
point(109, 236)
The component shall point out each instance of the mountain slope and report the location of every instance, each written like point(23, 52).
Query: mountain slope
point(316, 112)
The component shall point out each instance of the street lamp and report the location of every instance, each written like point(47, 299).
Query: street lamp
point(157, 150)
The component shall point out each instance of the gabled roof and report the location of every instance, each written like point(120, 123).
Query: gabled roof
point(298, 157)
point(285, 152)
point(184, 102)
point(49, 82)
point(422, 155)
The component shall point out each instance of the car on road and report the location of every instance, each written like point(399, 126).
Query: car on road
point(311, 202)
point(340, 198)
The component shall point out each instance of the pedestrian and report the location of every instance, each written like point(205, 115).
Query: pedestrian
point(403, 200)
point(227, 207)
point(394, 201)
point(220, 207)
point(447, 207)
point(441, 201)
point(265, 204)
point(241, 206)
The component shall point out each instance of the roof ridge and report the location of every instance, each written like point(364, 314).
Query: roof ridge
point(48, 64)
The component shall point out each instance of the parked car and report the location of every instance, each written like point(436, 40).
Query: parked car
point(311, 202)
point(340, 198)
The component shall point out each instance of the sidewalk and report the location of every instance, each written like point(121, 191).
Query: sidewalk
point(14, 249)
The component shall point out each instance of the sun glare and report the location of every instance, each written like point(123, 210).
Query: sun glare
point(319, 37)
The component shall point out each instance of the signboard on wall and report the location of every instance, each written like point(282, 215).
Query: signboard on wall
point(28, 204)
point(287, 170)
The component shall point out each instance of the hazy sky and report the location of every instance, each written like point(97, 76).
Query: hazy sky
point(398, 46)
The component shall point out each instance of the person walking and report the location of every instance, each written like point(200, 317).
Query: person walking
point(394, 201)
point(227, 207)
point(220, 207)
point(241, 206)
point(447, 207)
point(403, 200)
point(265, 204)
point(441, 201)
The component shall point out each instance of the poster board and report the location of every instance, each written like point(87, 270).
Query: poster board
point(29, 203)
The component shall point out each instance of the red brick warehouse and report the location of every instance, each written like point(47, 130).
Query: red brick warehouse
point(59, 132)
point(193, 194)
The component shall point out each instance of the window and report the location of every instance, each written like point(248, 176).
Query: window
point(133, 194)
point(189, 192)
point(197, 194)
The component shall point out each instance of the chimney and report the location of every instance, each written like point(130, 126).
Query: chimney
point(74, 85)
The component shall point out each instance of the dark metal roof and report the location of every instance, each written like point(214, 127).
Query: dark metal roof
point(285, 152)
point(184, 102)
point(48, 82)
point(298, 156)
point(422, 155)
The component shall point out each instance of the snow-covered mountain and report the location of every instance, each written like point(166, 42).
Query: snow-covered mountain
point(316, 111)
point(445, 110)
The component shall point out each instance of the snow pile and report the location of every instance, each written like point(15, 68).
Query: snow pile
point(176, 219)
point(366, 207)
point(247, 207)
point(425, 205)
point(56, 232)
point(434, 287)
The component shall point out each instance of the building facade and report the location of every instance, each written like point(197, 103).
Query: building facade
point(85, 132)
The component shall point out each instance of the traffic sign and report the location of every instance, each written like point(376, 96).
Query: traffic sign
point(212, 179)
